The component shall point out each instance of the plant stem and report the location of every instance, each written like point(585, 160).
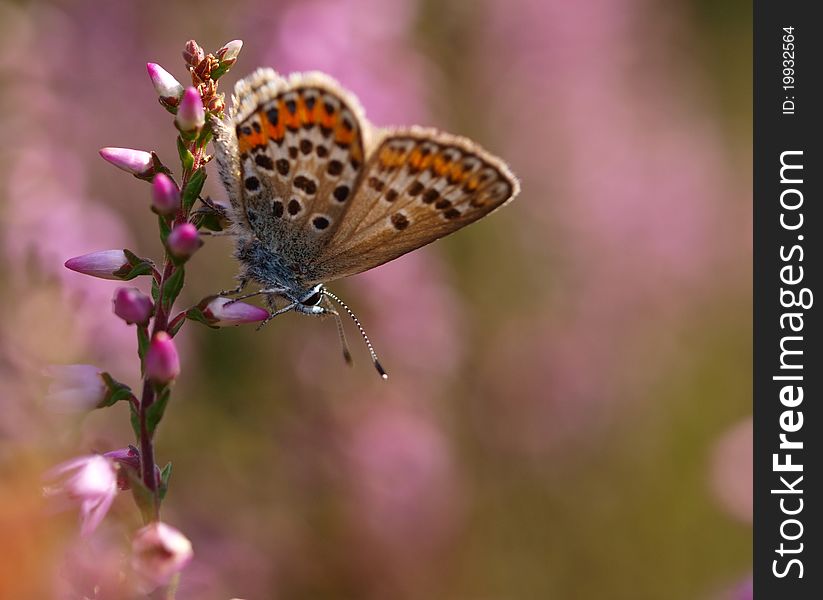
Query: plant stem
point(161, 323)
point(146, 438)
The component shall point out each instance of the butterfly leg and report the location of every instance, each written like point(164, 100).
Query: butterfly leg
point(275, 313)
point(267, 291)
point(240, 287)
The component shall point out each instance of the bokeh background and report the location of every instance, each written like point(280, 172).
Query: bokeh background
point(568, 413)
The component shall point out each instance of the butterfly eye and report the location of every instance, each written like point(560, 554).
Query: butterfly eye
point(314, 299)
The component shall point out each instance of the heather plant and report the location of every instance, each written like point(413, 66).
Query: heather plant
point(159, 551)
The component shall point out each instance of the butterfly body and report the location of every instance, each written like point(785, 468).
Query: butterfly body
point(318, 193)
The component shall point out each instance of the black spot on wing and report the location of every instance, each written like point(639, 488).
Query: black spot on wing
point(400, 221)
point(341, 192)
point(264, 161)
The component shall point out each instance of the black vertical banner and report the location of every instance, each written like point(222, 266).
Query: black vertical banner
point(788, 337)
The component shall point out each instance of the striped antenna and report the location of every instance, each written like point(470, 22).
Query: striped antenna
point(376, 362)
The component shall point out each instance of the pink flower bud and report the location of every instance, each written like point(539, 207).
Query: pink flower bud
point(162, 361)
point(191, 116)
point(228, 53)
point(167, 87)
point(132, 305)
point(93, 484)
point(164, 195)
point(159, 552)
point(103, 264)
point(75, 388)
point(183, 241)
point(193, 54)
point(222, 311)
point(136, 162)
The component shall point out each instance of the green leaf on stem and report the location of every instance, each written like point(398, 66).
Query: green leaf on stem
point(155, 412)
point(165, 474)
point(208, 220)
point(171, 289)
point(186, 157)
point(167, 106)
point(193, 189)
point(158, 166)
point(134, 418)
point(205, 135)
point(195, 314)
point(142, 343)
point(136, 267)
point(143, 497)
point(176, 323)
point(155, 291)
point(116, 391)
point(221, 70)
point(164, 223)
point(187, 136)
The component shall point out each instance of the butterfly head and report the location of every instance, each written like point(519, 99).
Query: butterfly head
point(309, 301)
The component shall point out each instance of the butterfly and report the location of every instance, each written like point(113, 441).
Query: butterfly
point(318, 193)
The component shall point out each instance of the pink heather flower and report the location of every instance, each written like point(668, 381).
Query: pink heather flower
point(167, 87)
point(162, 361)
point(75, 388)
point(128, 455)
point(136, 162)
point(228, 53)
point(132, 305)
point(191, 116)
point(93, 483)
point(165, 196)
point(183, 241)
point(159, 551)
point(222, 311)
point(103, 264)
point(129, 459)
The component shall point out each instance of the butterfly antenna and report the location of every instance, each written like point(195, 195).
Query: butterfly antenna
point(342, 334)
point(376, 362)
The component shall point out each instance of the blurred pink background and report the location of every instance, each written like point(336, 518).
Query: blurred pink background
point(568, 409)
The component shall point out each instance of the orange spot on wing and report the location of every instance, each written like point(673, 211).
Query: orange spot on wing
point(415, 158)
point(286, 118)
point(326, 120)
point(472, 184)
point(392, 158)
point(343, 135)
point(249, 141)
point(272, 131)
point(440, 165)
point(456, 173)
point(305, 115)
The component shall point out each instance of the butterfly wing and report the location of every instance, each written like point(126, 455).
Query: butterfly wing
point(417, 186)
point(299, 149)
